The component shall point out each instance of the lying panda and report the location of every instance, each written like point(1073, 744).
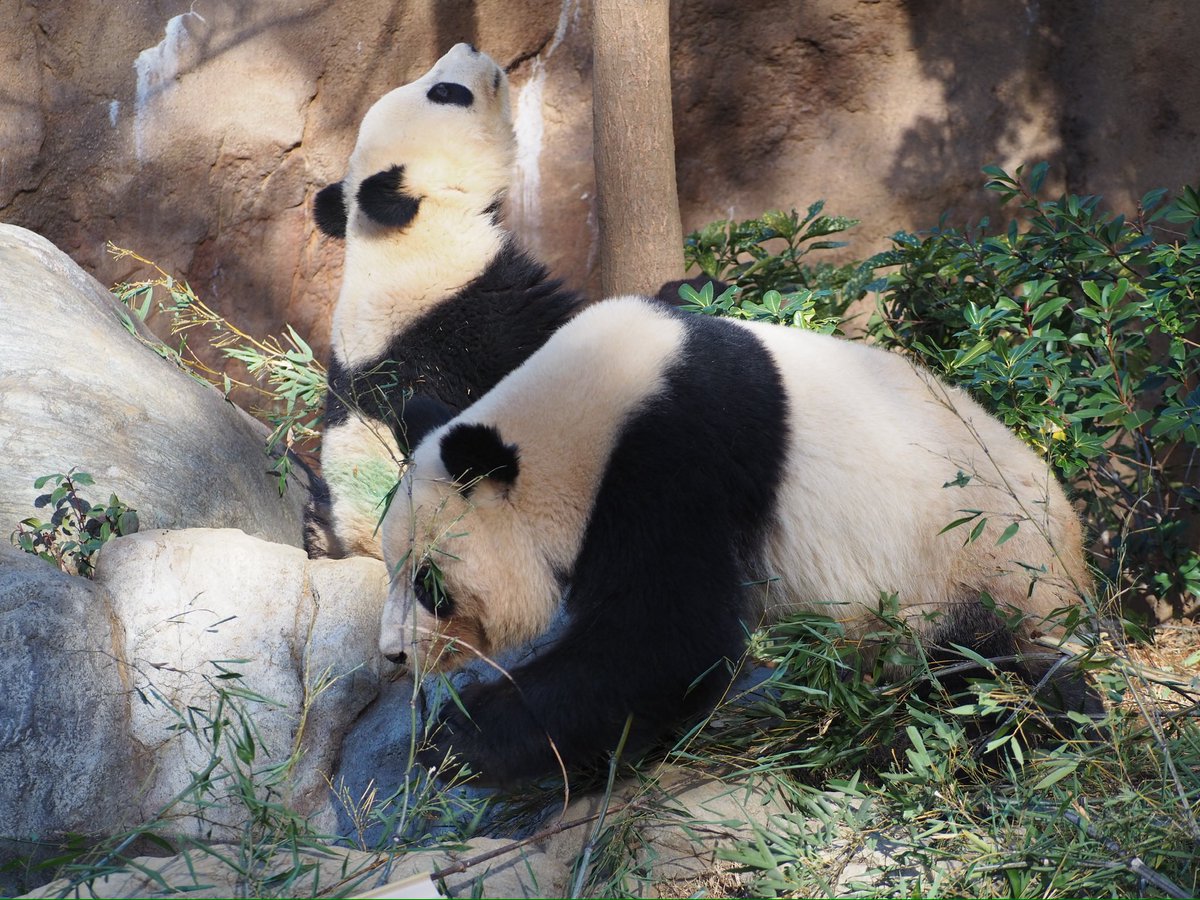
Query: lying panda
point(437, 301)
point(689, 478)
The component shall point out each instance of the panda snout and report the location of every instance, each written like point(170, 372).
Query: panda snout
point(400, 658)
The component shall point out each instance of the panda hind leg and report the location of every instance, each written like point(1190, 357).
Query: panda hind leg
point(320, 538)
point(1060, 686)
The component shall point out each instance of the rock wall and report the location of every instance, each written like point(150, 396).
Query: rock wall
point(197, 131)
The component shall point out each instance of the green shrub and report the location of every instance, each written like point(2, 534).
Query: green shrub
point(1078, 328)
point(766, 259)
point(77, 528)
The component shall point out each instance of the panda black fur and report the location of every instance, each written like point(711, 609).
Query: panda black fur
point(437, 303)
point(688, 478)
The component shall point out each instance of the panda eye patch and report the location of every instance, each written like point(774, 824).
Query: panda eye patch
point(451, 93)
point(431, 592)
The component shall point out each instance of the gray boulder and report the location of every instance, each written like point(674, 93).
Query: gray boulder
point(111, 687)
point(78, 390)
point(66, 761)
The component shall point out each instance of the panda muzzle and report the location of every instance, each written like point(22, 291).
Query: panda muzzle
point(400, 658)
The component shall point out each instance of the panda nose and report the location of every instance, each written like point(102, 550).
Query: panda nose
point(398, 658)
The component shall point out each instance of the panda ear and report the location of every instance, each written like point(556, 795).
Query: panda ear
point(329, 209)
point(475, 451)
point(382, 199)
point(420, 415)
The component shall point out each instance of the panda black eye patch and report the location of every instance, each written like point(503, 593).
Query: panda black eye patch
point(451, 93)
point(431, 593)
point(382, 198)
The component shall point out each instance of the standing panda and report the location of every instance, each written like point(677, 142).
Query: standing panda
point(686, 479)
point(437, 302)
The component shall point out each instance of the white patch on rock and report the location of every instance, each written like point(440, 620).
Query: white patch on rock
point(114, 109)
point(529, 127)
point(156, 68)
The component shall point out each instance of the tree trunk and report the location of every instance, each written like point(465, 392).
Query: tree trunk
point(641, 239)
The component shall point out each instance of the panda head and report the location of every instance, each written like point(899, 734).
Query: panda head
point(444, 141)
point(469, 571)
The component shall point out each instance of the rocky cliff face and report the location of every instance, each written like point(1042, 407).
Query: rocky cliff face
point(197, 132)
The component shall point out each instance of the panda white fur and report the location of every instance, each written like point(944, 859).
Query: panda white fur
point(437, 302)
point(686, 479)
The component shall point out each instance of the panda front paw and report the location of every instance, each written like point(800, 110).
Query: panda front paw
point(498, 742)
point(447, 753)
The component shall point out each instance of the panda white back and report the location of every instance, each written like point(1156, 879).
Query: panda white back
point(884, 456)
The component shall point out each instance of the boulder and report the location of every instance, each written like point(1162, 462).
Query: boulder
point(79, 390)
point(113, 689)
point(216, 617)
point(66, 761)
point(672, 823)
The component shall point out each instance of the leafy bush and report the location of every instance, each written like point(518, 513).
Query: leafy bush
point(1078, 328)
point(798, 309)
point(77, 528)
point(766, 259)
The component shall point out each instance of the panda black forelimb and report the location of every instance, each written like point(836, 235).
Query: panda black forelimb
point(570, 706)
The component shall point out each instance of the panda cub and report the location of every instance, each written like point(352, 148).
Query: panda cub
point(686, 479)
point(437, 301)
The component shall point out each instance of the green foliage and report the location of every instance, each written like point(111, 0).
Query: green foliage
point(849, 701)
point(768, 256)
point(285, 374)
point(77, 528)
point(930, 787)
point(1078, 328)
point(798, 309)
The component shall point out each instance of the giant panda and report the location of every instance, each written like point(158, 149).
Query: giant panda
point(683, 479)
point(437, 301)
